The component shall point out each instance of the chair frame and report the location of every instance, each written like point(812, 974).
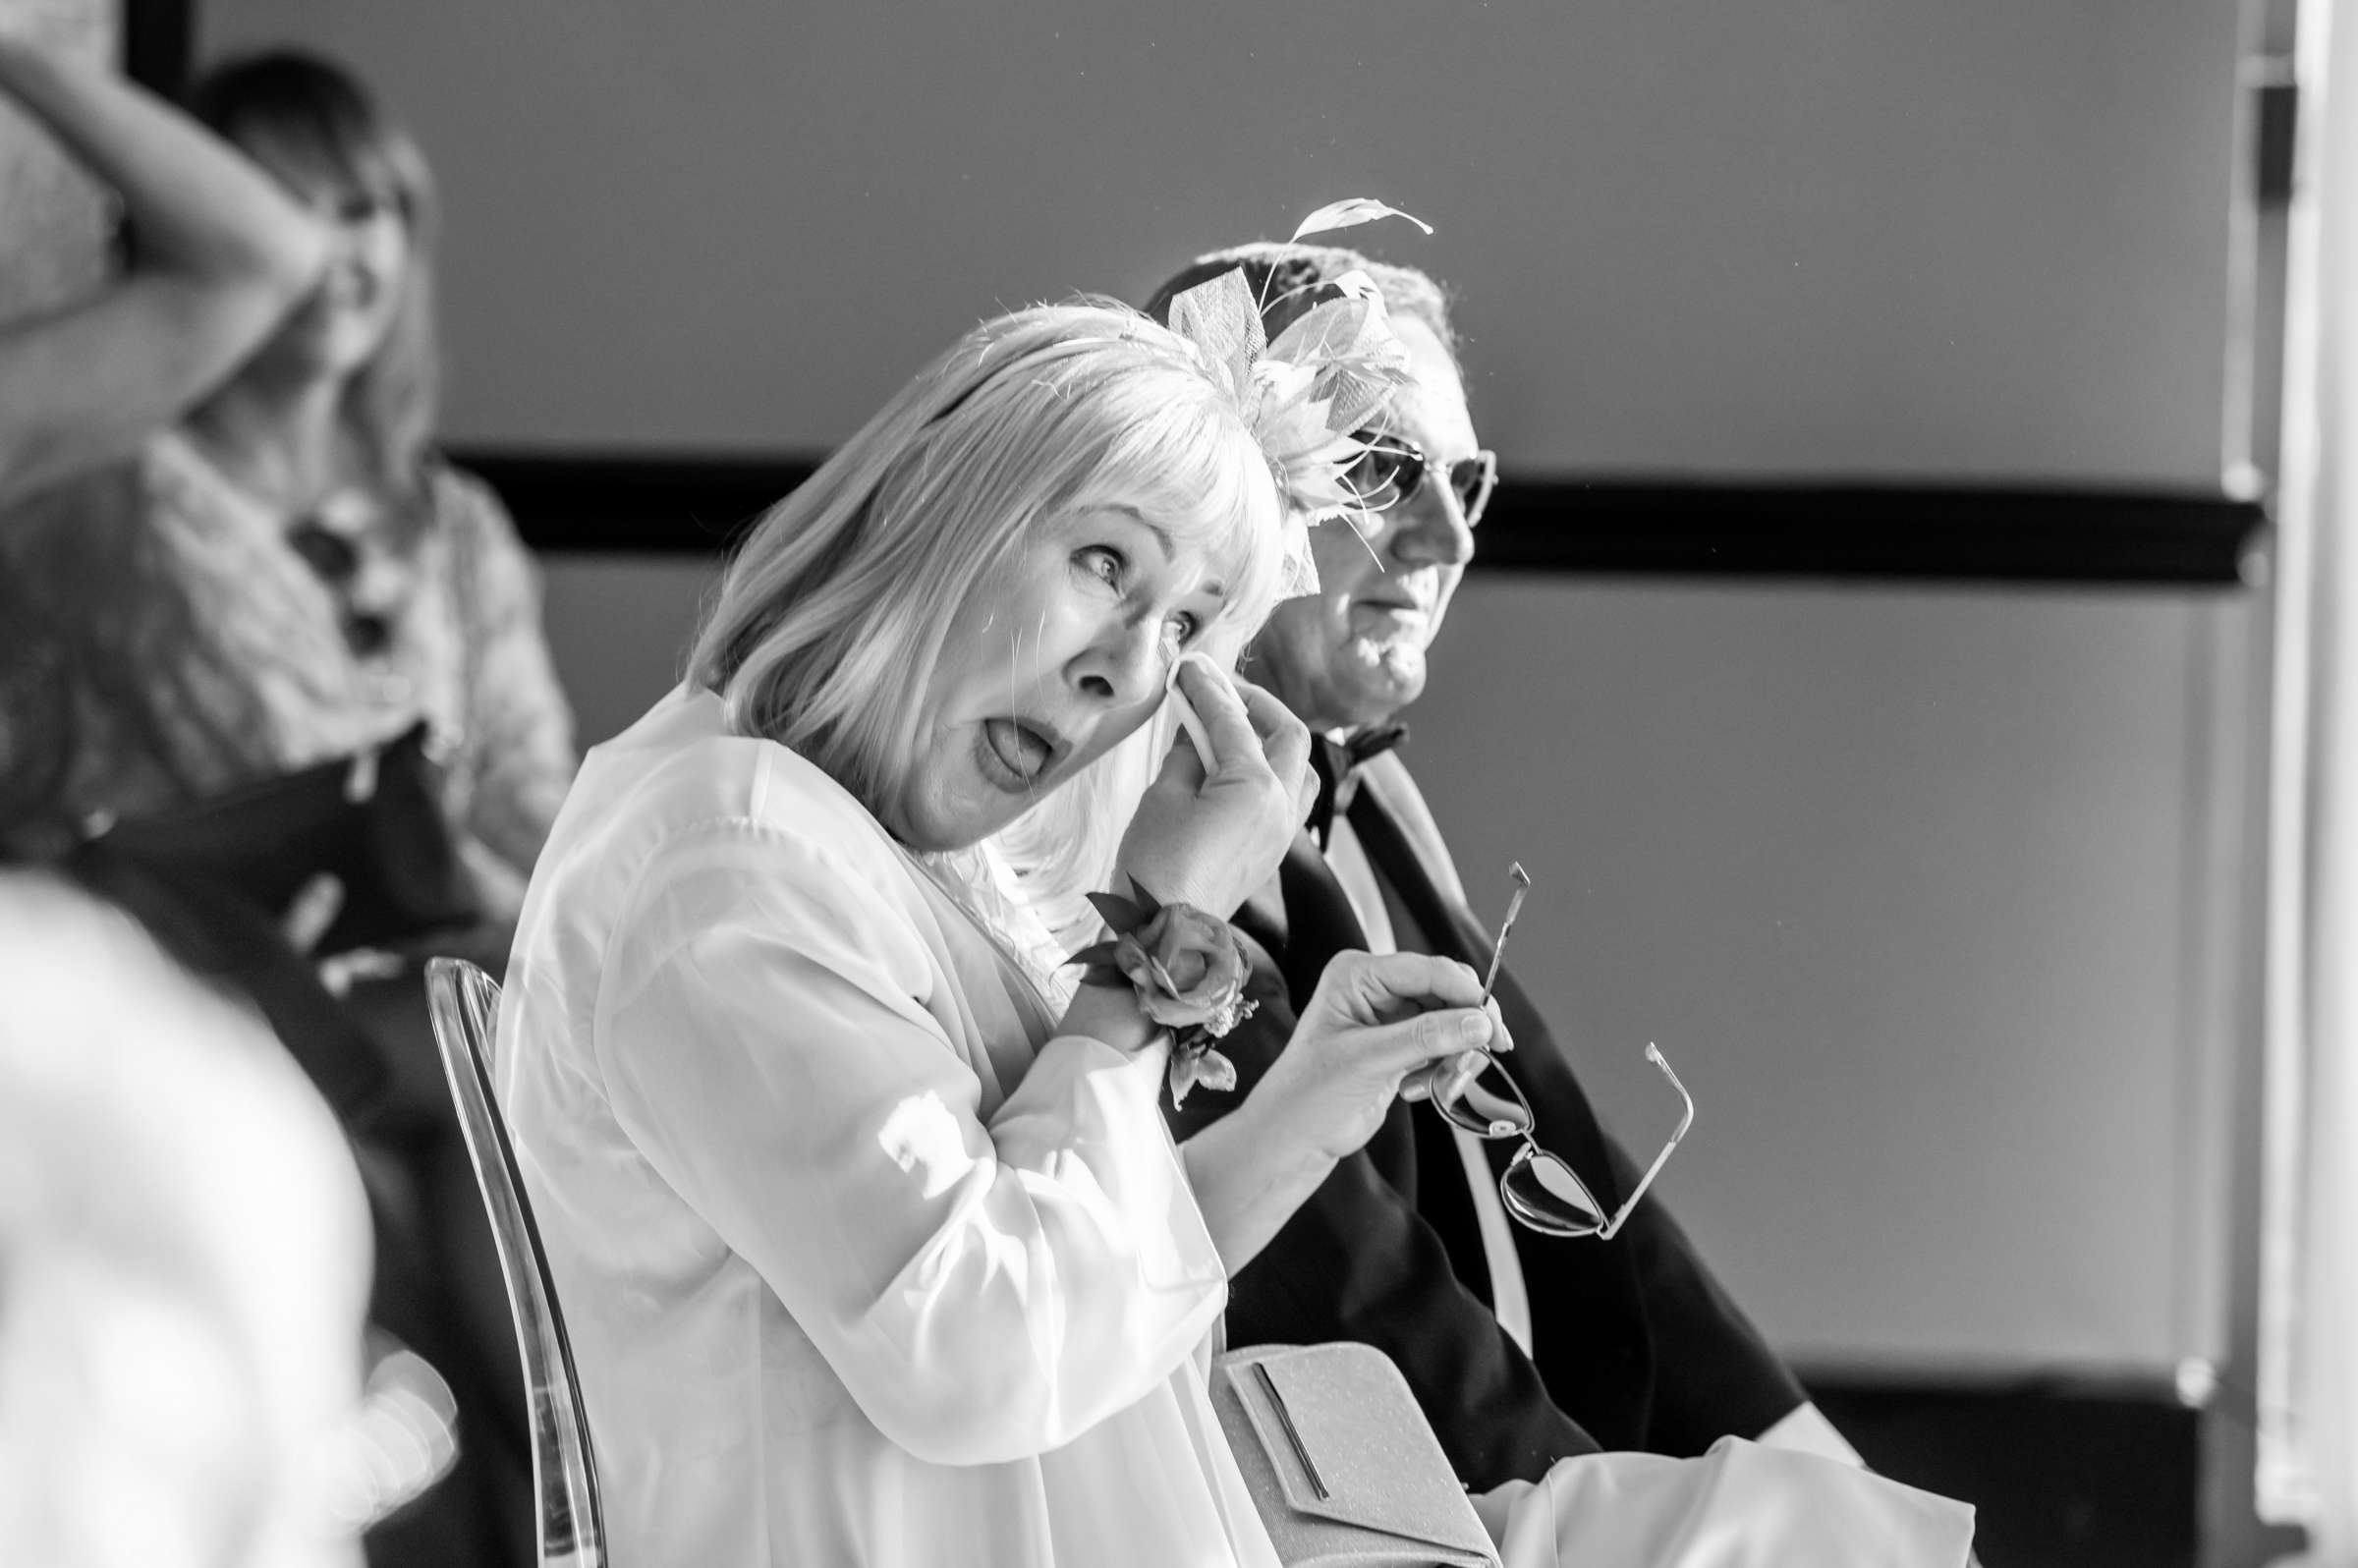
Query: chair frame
point(570, 1526)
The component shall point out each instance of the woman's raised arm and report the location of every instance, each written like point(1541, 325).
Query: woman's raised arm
point(1210, 837)
point(221, 255)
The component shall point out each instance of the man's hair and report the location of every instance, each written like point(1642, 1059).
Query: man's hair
point(1291, 278)
point(831, 622)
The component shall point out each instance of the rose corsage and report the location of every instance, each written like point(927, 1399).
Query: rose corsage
point(1189, 974)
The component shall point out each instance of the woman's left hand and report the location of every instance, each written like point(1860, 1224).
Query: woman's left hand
point(1373, 1020)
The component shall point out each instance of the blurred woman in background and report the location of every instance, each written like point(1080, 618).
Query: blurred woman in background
point(246, 562)
point(229, 554)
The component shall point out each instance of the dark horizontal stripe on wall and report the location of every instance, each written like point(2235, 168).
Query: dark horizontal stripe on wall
point(1705, 529)
point(1730, 528)
point(652, 505)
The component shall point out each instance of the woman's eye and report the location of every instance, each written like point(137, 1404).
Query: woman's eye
point(1102, 562)
point(1183, 628)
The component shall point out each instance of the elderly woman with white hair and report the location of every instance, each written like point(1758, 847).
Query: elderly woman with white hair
point(872, 1243)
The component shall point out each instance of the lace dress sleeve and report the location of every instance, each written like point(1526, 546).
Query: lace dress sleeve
point(517, 758)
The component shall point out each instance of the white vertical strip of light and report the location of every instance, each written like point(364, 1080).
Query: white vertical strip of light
point(2284, 1485)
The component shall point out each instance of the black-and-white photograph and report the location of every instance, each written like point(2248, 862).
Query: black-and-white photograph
point(1047, 785)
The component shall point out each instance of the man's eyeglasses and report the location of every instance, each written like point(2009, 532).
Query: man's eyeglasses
point(1393, 469)
point(1540, 1190)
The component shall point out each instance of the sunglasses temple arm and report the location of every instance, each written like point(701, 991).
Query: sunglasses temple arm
point(1514, 906)
point(1612, 1227)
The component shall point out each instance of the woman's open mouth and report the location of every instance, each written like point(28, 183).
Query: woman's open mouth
point(1023, 750)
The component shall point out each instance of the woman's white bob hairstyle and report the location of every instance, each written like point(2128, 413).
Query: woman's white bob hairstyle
point(829, 625)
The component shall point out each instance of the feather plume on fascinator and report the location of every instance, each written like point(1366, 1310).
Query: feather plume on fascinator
point(1305, 394)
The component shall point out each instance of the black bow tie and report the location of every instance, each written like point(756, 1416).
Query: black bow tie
point(1337, 763)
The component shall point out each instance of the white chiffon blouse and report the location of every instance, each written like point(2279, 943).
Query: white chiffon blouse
point(860, 1266)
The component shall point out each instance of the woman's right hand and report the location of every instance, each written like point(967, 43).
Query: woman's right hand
point(1211, 835)
point(1372, 1020)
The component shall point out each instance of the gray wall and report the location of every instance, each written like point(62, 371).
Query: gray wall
point(1916, 890)
point(1886, 236)
point(1930, 895)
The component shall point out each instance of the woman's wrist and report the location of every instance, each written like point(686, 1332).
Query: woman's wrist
point(1295, 1158)
point(198, 204)
point(1111, 1013)
point(1250, 1172)
point(1187, 971)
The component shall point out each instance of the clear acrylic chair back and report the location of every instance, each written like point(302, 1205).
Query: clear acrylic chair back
point(571, 1526)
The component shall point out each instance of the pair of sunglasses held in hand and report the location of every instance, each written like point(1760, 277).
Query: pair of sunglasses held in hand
point(1540, 1190)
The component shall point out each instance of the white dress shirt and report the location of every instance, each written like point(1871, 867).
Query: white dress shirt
point(1510, 1299)
point(860, 1266)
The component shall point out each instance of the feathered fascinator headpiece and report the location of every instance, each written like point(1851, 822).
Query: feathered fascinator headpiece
point(1306, 394)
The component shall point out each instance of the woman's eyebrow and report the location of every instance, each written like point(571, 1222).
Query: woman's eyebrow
point(1162, 535)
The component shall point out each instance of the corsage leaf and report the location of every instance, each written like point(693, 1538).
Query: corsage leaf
point(1117, 912)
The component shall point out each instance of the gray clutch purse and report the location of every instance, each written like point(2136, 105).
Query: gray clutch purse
point(1341, 1463)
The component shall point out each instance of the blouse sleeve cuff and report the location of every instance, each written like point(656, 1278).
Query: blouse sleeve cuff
point(1085, 1103)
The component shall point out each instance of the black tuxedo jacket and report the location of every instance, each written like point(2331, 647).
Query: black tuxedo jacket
point(1637, 1347)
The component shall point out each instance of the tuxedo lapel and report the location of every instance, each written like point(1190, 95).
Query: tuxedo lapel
point(1638, 1346)
point(1567, 1122)
point(1319, 919)
point(1589, 1309)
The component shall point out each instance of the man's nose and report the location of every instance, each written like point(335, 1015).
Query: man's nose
point(1123, 665)
point(1431, 530)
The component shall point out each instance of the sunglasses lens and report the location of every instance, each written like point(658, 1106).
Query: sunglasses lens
point(1384, 473)
point(1491, 1106)
point(1544, 1195)
point(1472, 479)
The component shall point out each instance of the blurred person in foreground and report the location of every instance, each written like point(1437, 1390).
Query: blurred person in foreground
point(1521, 1348)
point(183, 1260)
point(241, 590)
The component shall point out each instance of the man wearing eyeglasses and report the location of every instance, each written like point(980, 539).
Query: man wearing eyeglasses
point(1522, 1349)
